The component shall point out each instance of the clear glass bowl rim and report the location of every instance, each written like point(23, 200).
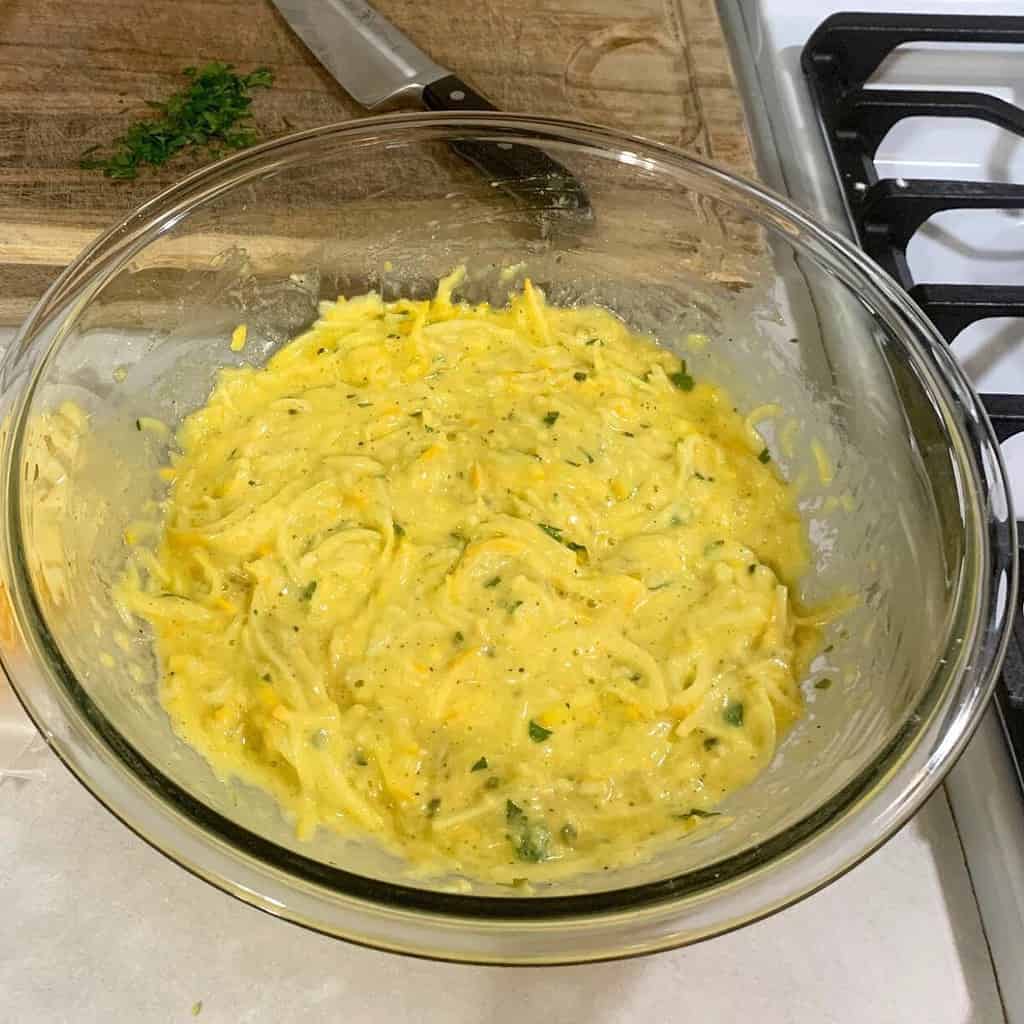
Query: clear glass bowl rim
point(856, 821)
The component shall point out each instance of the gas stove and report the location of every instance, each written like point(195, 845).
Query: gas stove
point(910, 140)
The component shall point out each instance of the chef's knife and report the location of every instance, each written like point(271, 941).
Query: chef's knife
point(378, 66)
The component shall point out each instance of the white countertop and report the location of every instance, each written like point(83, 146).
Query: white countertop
point(96, 926)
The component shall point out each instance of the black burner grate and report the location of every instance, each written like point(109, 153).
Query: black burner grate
point(839, 58)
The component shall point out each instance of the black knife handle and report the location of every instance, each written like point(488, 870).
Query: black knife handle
point(523, 171)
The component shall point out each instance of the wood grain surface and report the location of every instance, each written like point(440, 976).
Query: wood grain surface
point(77, 72)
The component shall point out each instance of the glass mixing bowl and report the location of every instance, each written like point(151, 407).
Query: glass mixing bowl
point(900, 478)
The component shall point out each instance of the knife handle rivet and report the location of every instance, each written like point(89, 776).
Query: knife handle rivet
point(457, 94)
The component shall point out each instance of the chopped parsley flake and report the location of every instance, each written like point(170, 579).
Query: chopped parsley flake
point(823, 684)
point(681, 378)
point(733, 713)
point(696, 812)
point(530, 841)
point(553, 532)
point(550, 418)
point(308, 591)
point(493, 581)
point(480, 765)
point(765, 456)
point(537, 732)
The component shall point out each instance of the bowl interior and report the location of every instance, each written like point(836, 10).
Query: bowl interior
point(674, 250)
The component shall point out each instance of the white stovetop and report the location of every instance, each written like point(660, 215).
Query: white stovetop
point(96, 926)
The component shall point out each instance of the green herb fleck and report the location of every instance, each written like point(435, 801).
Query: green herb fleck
point(513, 606)
point(138, 424)
point(208, 113)
point(580, 376)
point(493, 581)
point(266, 677)
point(733, 713)
point(533, 844)
point(433, 807)
point(590, 458)
point(823, 684)
point(713, 546)
point(681, 378)
point(418, 414)
point(675, 521)
point(765, 456)
point(480, 766)
point(550, 418)
point(696, 812)
point(553, 532)
point(531, 841)
point(458, 638)
point(752, 568)
point(360, 759)
point(308, 591)
point(399, 530)
point(573, 546)
point(710, 742)
point(593, 341)
point(537, 732)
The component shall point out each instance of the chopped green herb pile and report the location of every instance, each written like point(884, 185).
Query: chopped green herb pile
point(207, 113)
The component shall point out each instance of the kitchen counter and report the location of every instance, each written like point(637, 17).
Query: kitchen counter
point(99, 927)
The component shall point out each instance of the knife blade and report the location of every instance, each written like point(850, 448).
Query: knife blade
point(378, 66)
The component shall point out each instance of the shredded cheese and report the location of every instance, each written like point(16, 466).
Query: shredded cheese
point(484, 585)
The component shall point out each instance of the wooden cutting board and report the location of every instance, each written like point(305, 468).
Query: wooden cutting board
point(77, 72)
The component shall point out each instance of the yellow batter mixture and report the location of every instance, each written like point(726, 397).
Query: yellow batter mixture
point(505, 589)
